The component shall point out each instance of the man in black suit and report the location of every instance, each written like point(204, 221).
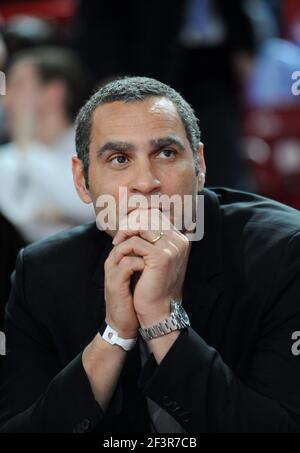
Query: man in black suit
point(74, 362)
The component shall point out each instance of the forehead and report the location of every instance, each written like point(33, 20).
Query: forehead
point(152, 116)
point(23, 70)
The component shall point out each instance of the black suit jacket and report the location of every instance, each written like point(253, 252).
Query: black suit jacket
point(232, 371)
point(11, 242)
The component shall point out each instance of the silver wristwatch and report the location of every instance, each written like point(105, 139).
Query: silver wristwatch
point(177, 320)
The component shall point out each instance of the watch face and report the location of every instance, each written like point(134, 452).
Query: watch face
point(184, 316)
point(180, 313)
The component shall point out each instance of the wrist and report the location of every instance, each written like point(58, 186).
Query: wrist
point(176, 320)
point(160, 313)
point(96, 352)
point(126, 333)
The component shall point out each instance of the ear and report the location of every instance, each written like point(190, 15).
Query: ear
point(202, 167)
point(79, 180)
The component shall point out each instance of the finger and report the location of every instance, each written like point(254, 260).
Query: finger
point(135, 245)
point(151, 222)
point(110, 263)
point(122, 235)
point(128, 265)
point(175, 247)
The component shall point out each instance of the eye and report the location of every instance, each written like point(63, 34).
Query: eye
point(168, 153)
point(119, 159)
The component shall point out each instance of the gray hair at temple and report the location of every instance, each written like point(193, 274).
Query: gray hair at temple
point(133, 89)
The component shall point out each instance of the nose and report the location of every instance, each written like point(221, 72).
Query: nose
point(144, 181)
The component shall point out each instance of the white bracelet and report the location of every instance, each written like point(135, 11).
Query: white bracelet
point(112, 337)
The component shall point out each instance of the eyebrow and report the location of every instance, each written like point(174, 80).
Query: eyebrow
point(163, 142)
point(115, 146)
point(156, 144)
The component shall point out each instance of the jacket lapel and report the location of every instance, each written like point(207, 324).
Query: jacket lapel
point(204, 281)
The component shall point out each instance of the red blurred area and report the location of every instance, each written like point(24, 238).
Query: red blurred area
point(290, 13)
point(272, 137)
point(273, 150)
point(59, 10)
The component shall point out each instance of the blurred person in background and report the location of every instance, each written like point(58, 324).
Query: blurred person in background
point(218, 47)
point(22, 31)
point(18, 33)
point(45, 87)
point(10, 240)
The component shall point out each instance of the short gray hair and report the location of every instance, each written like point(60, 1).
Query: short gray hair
point(132, 89)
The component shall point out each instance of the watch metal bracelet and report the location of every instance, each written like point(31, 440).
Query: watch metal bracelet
point(163, 328)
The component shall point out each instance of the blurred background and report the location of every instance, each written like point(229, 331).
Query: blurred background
point(237, 63)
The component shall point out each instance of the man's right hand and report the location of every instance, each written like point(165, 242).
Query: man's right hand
point(102, 361)
point(120, 313)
